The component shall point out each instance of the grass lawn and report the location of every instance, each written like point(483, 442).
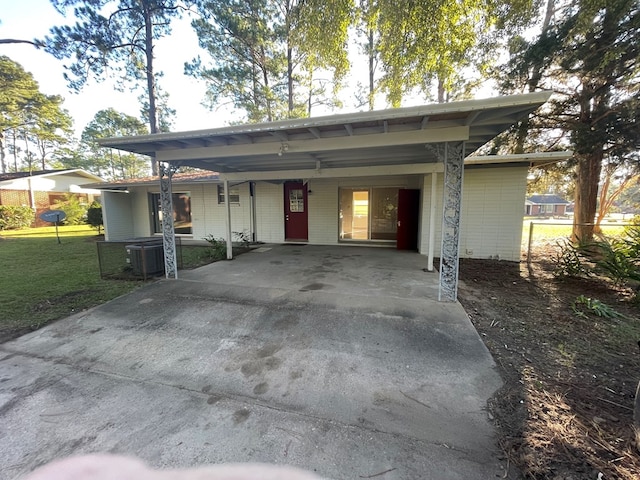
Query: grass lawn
point(43, 281)
point(549, 231)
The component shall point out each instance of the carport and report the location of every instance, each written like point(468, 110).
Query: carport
point(429, 140)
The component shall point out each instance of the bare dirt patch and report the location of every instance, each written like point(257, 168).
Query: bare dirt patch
point(566, 410)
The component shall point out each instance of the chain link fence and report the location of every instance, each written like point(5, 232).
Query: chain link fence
point(143, 258)
point(543, 240)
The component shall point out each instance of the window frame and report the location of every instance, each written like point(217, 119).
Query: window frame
point(220, 191)
point(156, 209)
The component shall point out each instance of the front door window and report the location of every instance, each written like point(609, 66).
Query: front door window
point(296, 200)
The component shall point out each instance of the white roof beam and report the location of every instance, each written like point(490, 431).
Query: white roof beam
point(413, 169)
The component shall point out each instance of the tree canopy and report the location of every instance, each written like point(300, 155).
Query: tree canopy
point(114, 38)
point(107, 162)
point(30, 117)
point(264, 56)
point(588, 54)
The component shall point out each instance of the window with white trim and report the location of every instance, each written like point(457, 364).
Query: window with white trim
point(181, 212)
point(234, 195)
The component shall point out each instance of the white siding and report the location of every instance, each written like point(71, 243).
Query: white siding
point(116, 216)
point(323, 211)
point(324, 202)
point(425, 214)
point(140, 209)
point(209, 216)
point(492, 212)
point(270, 212)
point(491, 220)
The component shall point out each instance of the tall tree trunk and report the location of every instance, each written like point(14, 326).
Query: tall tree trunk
point(290, 80)
point(586, 197)
point(441, 91)
point(3, 164)
point(15, 150)
point(265, 79)
point(151, 82)
point(372, 67)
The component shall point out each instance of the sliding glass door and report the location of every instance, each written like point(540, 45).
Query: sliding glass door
point(368, 213)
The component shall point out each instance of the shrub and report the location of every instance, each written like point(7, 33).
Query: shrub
point(569, 262)
point(583, 305)
point(243, 238)
point(76, 212)
point(13, 217)
point(94, 216)
point(218, 249)
point(618, 259)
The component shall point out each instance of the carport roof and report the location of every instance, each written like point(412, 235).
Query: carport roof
point(386, 137)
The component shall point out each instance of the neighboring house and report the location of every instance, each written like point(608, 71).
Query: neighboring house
point(546, 205)
point(40, 189)
point(393, 177)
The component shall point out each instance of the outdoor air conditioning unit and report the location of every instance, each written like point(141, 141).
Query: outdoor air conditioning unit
point(146, 259)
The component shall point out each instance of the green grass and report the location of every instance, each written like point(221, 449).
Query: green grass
point(552, 231)
point(42, 280)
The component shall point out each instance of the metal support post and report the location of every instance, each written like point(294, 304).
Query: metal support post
point(452, 204)
point(168, 231)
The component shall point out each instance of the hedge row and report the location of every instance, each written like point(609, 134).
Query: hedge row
point(12, 217)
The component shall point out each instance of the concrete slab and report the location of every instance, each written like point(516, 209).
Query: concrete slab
point(336, 360)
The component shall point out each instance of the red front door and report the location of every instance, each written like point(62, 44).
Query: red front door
point(295, 212)
point(408, 219)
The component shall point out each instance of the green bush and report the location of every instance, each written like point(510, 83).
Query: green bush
point(618, 259)
point(584, 305)
point(569, 262)
point(94, 216)
point(76, 212)
point(218, 249)
point(14, 217)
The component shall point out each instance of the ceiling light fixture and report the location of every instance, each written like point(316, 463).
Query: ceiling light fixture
point(283, 148)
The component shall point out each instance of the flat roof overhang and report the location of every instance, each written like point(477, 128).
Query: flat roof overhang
point(401, 136)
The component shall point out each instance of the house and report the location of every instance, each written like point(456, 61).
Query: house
point(40, 189)
point(546, 205)
point(405, 177)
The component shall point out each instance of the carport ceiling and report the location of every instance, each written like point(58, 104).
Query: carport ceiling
point(385, 137)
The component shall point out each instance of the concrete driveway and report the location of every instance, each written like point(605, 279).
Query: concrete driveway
point(336, 360)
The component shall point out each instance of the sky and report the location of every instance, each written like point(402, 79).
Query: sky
point(29, 19)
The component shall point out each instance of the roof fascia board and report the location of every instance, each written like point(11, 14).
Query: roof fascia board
point(73, 171)
point(450, 134)
point(518, 157)
point(528, 99)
